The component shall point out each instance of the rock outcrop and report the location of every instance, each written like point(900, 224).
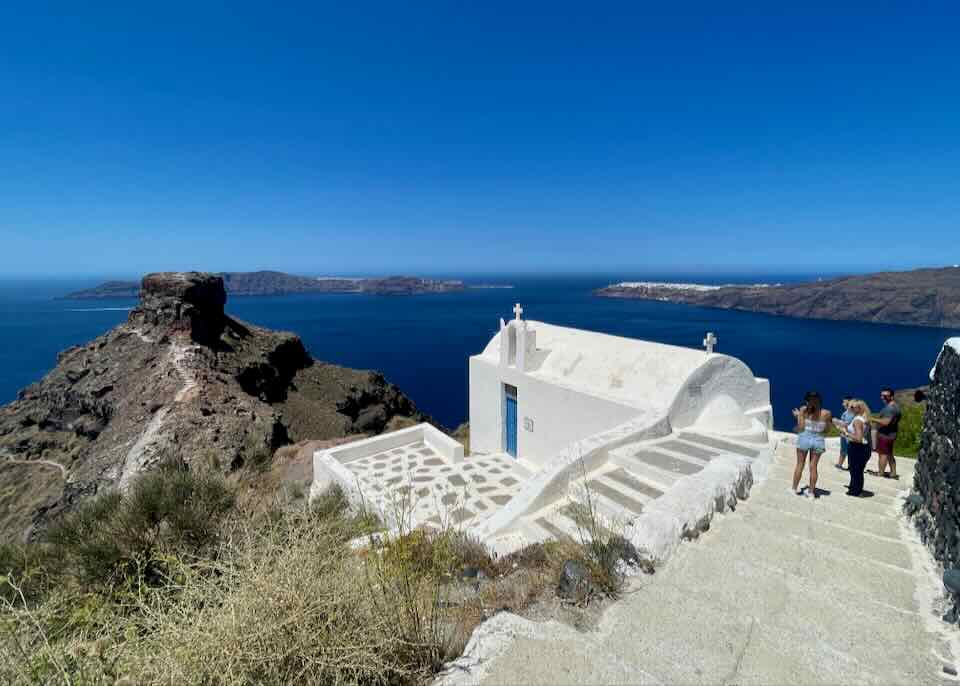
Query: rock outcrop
point(936, 497)
point(922, 297)
point(179, 380)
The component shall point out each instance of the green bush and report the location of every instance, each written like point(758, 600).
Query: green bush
point(32, 565)
point(116, 536)
point(909, 431)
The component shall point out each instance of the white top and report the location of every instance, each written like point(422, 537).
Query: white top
point(866, 428)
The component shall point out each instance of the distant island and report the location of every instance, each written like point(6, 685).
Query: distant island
point(279, 283)
point(921, 297)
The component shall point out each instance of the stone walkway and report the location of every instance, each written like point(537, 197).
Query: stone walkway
point(786, 590)
point(414, 477)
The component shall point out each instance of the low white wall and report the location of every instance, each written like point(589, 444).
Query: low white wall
point(578, 457)
point(549, 416)
point(331, 465)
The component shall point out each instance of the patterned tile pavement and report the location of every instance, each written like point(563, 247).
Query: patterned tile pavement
point(414, 478)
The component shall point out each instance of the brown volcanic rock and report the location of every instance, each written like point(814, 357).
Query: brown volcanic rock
point(182, 380)
point(922, 297)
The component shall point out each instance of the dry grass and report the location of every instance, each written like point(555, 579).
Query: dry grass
point(282, 598)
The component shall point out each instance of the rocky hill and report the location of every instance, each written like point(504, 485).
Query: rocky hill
point(279, 283)
point(179, 380)
point(922, 297)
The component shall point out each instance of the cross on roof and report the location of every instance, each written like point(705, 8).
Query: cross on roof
point(709, 342)
point(517, 310)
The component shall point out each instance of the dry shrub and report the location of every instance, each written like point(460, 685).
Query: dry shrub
point(290, 608)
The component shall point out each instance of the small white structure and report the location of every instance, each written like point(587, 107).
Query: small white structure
point(537, 387)
point(655, 437)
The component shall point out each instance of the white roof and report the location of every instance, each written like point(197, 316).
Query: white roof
point(639, 373)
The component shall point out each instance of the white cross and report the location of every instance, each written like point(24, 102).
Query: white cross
point(709, 342)
point(517, 310)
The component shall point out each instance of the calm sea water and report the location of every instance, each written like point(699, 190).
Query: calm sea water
point(422, 343)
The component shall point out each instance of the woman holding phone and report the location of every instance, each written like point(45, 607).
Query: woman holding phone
point(812, 423)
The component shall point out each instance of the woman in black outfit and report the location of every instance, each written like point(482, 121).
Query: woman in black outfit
point(857, 433)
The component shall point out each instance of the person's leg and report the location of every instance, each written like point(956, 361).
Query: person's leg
point(892, 460)
point(881, 461)
point(798, 470)
point(885, 453)
point(852, 467)
point(844, 451)
point(814, 460)
point(858, 460)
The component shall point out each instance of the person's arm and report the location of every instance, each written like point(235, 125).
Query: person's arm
point(800, 419)
point(881, 421)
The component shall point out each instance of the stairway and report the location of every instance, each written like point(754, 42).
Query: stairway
point(785, 590)
point(635, 474)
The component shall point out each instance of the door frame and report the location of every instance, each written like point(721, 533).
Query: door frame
point(510, 393)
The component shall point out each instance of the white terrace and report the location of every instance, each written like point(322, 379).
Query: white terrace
point(560, 414)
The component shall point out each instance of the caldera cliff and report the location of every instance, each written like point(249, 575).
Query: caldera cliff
point(922, 297)
point(180, 380)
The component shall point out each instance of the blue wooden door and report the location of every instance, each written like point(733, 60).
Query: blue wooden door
point(510, 425)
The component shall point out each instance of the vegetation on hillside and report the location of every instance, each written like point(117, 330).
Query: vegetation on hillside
point(909, 430)
point(180, 581)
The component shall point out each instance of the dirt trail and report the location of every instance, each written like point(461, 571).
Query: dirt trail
point(139, 454)
point(44, 463)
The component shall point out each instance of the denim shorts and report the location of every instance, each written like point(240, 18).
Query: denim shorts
point(809, 441)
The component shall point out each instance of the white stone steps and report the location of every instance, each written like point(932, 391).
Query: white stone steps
point(866, 524)
point(610, 510)
point(674, 445)
point(634, 485)
point(723, 445)
point(861, 518)
point(662, 458)
point(836, 481)
point(829, 618)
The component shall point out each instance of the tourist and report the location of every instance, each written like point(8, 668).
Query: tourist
point(812, 422)
point(857, 433)
point(845, 419)
point(887, 421)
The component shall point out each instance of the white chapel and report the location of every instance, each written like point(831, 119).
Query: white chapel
point(537, 387)
point(557, 413)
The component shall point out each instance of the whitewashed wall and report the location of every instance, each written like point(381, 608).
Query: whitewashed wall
point(559, 415)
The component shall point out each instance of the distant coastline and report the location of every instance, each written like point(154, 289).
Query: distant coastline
point(921, 297)
point(280, 283)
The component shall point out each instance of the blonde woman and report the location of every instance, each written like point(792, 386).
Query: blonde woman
point(857, 432)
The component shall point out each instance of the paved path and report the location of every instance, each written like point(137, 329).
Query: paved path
point(786, 590)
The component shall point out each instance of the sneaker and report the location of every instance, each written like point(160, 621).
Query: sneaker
point(811, 494)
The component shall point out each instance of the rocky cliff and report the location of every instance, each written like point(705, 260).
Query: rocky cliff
point(922, 297)
point(936, 497)
point(179, 380)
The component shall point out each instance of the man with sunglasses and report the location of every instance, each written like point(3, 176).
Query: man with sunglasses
point(886, 422)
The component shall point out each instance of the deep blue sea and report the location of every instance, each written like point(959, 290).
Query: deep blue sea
point(421, 343)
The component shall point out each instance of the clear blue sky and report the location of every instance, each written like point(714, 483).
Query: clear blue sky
point(441, 137)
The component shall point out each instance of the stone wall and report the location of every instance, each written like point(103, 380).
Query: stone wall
point(936, 497)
